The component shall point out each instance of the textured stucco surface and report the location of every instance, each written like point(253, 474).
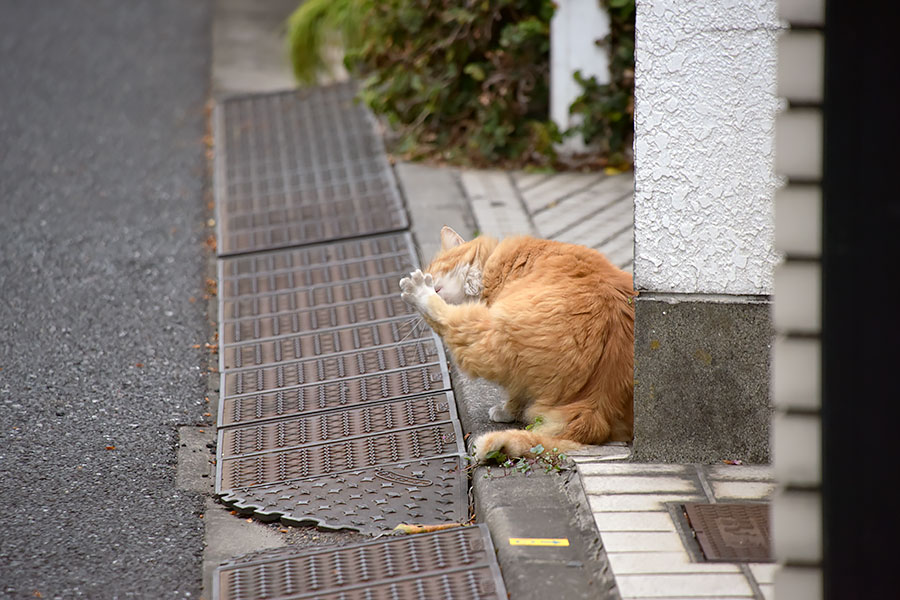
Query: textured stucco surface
point(705, 109)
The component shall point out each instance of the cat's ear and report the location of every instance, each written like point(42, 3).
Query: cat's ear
point(450, 239)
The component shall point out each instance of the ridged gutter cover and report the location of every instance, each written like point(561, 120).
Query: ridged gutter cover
point(300, 167)
point(453, 564)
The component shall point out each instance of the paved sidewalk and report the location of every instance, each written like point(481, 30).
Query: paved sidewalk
point(591, 209)
point(651, 551)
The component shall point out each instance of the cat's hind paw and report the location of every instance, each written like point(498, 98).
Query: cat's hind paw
point(416, 289)
point(486, 444)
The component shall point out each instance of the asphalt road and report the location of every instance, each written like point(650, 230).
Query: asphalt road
point(102, 224)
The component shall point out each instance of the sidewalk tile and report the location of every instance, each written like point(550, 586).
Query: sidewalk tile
point(686, 585)
point(740, 473)
point(620, 249)
point(742, 490)
point(639, 502)
point(525, 180)
point(634, 521)
point(661, 563)
point(625, 485)
point(642, 541)
point(583, 459)
point(634, 469)
point(763, 572)
point(556, 188)
point(597, 229)
point(579, 206)
point(495, 204)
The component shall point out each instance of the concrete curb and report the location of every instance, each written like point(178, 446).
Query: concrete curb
point(543, 506)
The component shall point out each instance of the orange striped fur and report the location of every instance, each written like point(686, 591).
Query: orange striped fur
point(551, 322)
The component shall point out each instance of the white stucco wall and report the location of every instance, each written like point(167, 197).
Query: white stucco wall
point(705, 109)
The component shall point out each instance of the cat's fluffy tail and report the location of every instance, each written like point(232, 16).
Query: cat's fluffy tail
point(520, 442)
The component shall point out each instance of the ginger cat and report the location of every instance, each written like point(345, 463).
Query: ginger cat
point(551, 322)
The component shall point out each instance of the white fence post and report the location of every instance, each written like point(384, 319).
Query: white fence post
point(574, 30)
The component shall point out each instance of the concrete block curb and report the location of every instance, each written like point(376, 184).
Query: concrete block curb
point(544, 509)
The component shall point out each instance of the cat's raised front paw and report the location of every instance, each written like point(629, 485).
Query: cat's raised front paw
point(416, 289)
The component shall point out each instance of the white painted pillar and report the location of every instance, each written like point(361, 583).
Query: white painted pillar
point(574, 30)
point(704, 120)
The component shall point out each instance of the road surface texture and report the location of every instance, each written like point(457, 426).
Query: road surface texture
point(102, 276)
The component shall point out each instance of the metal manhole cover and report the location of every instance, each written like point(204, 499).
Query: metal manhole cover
point(731, 532)
point(457, 563)
point(300, 167)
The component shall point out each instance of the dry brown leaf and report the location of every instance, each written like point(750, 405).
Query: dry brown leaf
point(406, 528)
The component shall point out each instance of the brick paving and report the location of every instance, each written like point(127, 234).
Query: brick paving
point(651, 550)
point(591, 209)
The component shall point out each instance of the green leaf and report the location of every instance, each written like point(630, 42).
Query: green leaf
point(497, 456)
point(474, 71)
point(538, 421)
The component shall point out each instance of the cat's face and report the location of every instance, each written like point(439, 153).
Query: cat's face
point(458, 284)
point(456, 278)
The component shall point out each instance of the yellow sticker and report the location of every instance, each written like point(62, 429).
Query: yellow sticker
point(538, 542)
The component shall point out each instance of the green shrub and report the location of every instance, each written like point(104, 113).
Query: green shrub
point(464, 81)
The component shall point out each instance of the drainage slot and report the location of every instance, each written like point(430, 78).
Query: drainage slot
point(731, 532)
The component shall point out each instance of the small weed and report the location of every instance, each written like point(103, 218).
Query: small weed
point(538, 421)
point(551, 461)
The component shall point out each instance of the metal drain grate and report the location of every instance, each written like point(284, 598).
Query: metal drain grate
point(285, 375)
point(368, 500)
point(731, 532)
point(300, 167)
point(298, 400)
point(276, 466)
point(457, 563)
point(314, 284)
point(329, 317)
point(335, 406)
point(412, 343)
point(342, 424)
